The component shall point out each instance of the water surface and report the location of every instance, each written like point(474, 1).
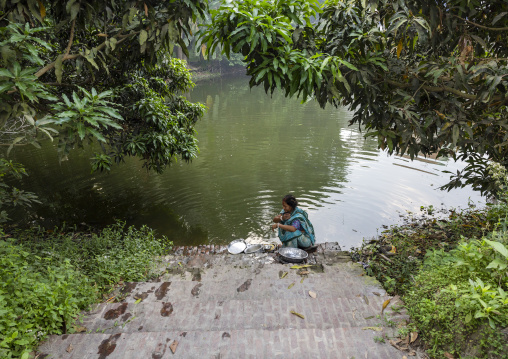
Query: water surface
point(255, 148)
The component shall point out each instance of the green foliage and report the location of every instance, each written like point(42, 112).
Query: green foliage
point(458, 292)
point(46, 279)
point(451, 274)
point(453, 295)
point(98, 71)
point(424, 78)
point(116, 253)
point(11, 196)
point(38, 296)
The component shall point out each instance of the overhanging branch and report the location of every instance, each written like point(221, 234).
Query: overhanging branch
point(73, 56)
point(481, 26)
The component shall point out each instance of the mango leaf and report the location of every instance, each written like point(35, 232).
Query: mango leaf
point(414, 336)
point(143, 35)
point(42, 9)
point(59, 68)
point(74, 10)
point(302, 266)
point(399, 48)
point(377, 329)
point(297, 314)
point(498, 17)
point(385, 304)
point(455, 134)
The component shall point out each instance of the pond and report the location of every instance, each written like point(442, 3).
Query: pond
point(254, 149)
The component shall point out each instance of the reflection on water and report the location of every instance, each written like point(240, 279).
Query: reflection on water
point(254, 150)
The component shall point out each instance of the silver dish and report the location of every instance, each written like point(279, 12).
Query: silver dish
point(237, 246)
point(293, 255)
point(253, 248)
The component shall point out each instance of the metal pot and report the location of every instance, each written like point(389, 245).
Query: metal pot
point(253, 248)
point(293, 255)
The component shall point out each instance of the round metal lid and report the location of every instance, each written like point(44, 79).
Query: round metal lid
point(237, 246)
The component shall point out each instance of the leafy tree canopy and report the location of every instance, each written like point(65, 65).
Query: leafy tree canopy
point(82, 71)
point(424, 77)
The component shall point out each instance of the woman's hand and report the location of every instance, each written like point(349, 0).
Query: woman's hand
point(277, 218)
point(274, 227)
point(286, 216)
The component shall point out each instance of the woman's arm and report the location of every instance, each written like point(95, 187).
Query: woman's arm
point(284, 227)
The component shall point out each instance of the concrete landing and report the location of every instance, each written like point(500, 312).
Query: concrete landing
point(217, 305)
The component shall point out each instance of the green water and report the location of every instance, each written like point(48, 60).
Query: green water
point(255, 148)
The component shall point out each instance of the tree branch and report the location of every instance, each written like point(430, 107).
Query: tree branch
point(71, 38)
point(73, 56)
point(481, 26)
point(434, 89)
point(51, 65)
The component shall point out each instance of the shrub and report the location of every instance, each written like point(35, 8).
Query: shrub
point(47, 279)
point(460, 293)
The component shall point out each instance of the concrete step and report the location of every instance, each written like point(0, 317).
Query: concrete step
point(250, 288)
point(333, 343)
point(271, 314)
point(223, 271)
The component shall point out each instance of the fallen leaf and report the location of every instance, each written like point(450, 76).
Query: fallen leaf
point(300, 267)
point(414, 335)
point(291, 285)
point(146, 9)
point(302, 279)
point(366, 299)
point(110, 299)
point(80, 329)
point(173, 346)
point(448, 355)
point(412, 353)
point(395, 345)
point(406, 340)
point(376, 293)
point(69, 348)
point(312, 294)
point(304, 272)
point(385, 304)
point(297, 314)
point(377, 329)
point(284, 274)
point(138, 301)
point(372, 316)
point(404, 357)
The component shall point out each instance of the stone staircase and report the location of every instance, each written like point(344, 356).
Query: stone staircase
point(223, 306)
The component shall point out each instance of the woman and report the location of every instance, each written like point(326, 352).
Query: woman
point(294, 227)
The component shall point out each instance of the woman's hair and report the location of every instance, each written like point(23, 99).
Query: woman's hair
point(290, 200)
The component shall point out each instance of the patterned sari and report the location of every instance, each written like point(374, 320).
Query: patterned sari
point(301, 238)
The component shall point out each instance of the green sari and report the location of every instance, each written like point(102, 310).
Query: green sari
point(301, 238)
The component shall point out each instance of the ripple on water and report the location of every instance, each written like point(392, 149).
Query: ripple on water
point(254, 149)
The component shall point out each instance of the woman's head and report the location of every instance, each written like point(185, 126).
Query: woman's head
point(289, 203)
